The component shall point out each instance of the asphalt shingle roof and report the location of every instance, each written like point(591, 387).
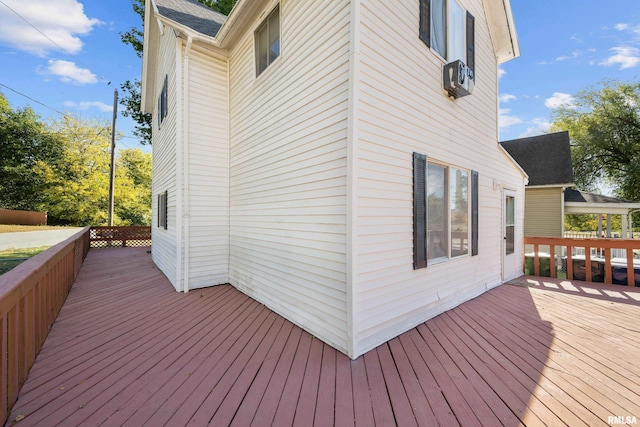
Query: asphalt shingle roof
point(545, 158)
point(192, 14)
point(571, 195)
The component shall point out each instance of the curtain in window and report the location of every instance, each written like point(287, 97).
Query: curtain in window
point(456, 48)
point(439, 27)
point(437, 218)
point(459, 196)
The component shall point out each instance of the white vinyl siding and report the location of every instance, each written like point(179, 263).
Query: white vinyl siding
point(543, 212)
point(288, 133)
point(164, 243)
point(402, 109)
point(207, 195)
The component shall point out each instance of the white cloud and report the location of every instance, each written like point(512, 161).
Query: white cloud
point(501, 72)
point(505, 120)
point(86, 105)
point(621, 27)
point(61, 21)
point(625, 56)
point(574, 55)
point(69, 72)
point(559, 100)
point(541, 127)
point(506, 97)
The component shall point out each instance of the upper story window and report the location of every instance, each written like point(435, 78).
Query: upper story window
point(163, 101)
point(267, 41)
point(448, 30)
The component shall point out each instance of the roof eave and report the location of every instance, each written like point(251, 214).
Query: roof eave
point(149, 56)
point(560, 185)
point(510, 157)
point(503, 29)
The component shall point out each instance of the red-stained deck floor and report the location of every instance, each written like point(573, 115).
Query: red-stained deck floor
point(128, 350)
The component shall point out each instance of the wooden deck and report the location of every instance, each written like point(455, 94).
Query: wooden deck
point(128, 350)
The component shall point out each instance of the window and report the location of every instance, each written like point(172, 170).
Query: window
point(445, 218)
point(162, 210)
point(163, 101)
point(446, 29)
point(509, 224)
point(267, 41)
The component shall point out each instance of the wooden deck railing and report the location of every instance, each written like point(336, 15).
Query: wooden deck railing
point(601, 245)
point(131, 236)
point(31, 295)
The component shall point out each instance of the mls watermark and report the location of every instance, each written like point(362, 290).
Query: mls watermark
point(622, 419)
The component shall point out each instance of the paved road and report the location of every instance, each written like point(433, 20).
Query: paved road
point(34, 239)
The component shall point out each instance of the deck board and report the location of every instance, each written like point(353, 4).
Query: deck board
point(127, 349)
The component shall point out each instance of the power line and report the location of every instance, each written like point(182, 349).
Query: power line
point(53, 41)
point(57, 111)
point(32, 99)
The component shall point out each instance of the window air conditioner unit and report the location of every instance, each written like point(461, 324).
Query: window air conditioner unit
point(458, 79)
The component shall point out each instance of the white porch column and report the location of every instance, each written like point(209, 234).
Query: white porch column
point(599, 226)
point(625, 234)
point(609, 225)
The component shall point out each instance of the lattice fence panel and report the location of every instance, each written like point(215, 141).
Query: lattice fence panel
point(130, 237)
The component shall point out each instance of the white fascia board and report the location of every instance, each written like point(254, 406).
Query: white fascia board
point(149, 58)
point(517, 165)
point(599, 208)
point(503, 30)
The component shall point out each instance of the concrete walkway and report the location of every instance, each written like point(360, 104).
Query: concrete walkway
point(35, 239)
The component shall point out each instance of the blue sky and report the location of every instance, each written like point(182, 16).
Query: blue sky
point(70, 72)
point(566, 46)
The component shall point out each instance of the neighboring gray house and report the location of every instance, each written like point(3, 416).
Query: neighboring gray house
point(547, 161)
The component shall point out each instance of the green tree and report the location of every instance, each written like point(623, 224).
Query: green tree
point(604, 127)
point(78, 183)
point(131, 93)
point(133, 187)
point(25, 142)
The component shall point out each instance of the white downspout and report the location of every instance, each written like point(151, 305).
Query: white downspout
point(562, 211)
point(178, 147)
point(185, 142)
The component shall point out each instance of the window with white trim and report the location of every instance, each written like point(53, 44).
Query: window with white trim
point(267, 41)
point(447, 29)
point(445, 211)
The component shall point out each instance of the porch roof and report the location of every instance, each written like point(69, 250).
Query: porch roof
point(581, 202)
point(127, 349)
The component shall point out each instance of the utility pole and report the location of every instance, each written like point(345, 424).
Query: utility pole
point(113, 157)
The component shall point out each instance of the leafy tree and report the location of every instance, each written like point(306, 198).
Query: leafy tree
point(604, 127)
point(133, 188)
point(78, 183)
point(131, 95)
point(25, 141)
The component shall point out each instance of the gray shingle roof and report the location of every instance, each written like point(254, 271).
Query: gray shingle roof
point(192, 14)
point(571, 195)
point(545, 158)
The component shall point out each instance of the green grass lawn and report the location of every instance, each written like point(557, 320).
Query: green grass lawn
point(12, 257)
point(4, 228)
